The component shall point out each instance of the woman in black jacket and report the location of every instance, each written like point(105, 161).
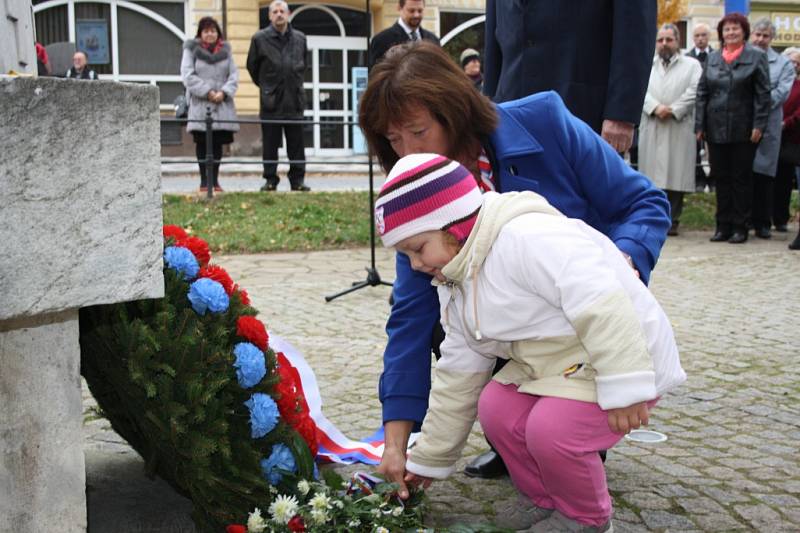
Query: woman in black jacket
point(733, 102)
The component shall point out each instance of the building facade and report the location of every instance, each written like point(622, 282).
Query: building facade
point(140, 41)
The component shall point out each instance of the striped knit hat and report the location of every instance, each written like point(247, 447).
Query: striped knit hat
point(426, 192)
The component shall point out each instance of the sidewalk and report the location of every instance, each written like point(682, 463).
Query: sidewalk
point(731, 461)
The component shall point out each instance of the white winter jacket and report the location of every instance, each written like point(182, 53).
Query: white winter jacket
point(559, 300)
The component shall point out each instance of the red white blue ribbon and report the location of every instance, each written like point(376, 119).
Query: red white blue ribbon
point(334, 446)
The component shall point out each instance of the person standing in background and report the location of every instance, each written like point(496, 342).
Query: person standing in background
point(276, 62)
point(666, 143)
point(80, 67)
point(765, 164)
point(407, 28)
point(700, 52)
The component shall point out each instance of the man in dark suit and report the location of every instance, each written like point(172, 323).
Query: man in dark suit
point(407, 28)
point(596, 54)
point(700, 52)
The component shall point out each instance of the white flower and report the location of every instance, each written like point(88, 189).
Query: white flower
point(283, 509)
point(273, 490)
point(338, 504)
point(303, 487)
point(320, 502)
point(397, 511)
point(354, 523)
point(381, 530)
point(255, 523)
point(375, 512)
point(319, 516)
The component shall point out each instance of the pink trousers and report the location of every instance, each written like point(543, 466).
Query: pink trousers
point(550, 447)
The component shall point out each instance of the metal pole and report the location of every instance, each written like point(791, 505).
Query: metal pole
point(209, 155)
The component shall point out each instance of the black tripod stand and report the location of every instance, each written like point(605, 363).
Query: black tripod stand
point(373, 277)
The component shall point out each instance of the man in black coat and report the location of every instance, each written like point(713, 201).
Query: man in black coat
point(596, 54)
point(407, 28)
point(700, 52)
point(276, 63)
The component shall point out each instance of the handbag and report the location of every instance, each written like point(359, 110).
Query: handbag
point(790, 153)
point(181, 105)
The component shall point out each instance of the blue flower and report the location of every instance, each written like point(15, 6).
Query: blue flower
point(181, 261)
point(280, 459)
point(207, 294)
point(263, 414)
point(250, 364)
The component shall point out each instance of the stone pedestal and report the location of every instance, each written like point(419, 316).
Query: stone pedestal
point(81, 209)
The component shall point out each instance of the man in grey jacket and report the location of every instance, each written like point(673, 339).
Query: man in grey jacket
point(765, 164)
point(276, 63)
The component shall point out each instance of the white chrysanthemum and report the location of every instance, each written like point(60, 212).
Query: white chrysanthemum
point(283, 509)
point(354, 523)
point(381, 530)
point(375, 512)
point(319, 516)
point(397, 511)
point(338, 504)
point(273, 490)
point(255, 522)
point(303, 486)
point(320, 502)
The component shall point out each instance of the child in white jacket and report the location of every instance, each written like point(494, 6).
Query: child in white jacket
point(589, 348)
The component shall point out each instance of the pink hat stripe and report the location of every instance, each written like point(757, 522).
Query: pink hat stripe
point(411, 175)
point(439, 219)
point(427, 205)
point(421, 190)
point(461, 228)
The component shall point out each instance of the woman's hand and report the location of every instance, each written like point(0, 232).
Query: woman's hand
point(416, 480)
point(755, 136)
point(393, 467)
point(624, 419)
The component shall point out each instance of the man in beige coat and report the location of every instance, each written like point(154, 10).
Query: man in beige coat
point(666, 134)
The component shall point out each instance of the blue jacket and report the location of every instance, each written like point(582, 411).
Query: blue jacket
point(538, 146)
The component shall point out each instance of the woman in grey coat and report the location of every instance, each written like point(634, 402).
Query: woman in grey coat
point(211, 78)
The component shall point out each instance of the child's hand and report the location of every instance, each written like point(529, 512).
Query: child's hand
point(624, 419)
point(414, 479)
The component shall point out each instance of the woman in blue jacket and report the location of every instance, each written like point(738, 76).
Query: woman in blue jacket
point(419, 101)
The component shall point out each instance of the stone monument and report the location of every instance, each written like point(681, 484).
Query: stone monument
point(80, 203)
point(17, 52)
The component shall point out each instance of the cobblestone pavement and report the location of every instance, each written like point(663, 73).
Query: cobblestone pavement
point(731, 461)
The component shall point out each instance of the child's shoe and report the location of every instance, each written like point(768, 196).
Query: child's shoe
point(519, 514)
point(558, 523)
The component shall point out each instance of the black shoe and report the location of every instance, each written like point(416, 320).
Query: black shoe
point(270, 187)
point(738, 238)
point(603, 454)
point(763, 233)
point(486, 466)
point(781, 228)
point(720, 236)
point(673, 230)
point(795, 244)
point(301, 188)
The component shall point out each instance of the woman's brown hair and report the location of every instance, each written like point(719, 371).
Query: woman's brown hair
point(420, 74)
point(733, 18)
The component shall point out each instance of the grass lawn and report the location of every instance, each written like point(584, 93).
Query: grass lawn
point(258, 222)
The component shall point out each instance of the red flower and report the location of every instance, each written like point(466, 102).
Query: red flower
point(245, 299)
point(175, 233)
point(198, 247)
point(217, 273)
point(235, 528)
point(296, 524)
point(308, 430)
point(253, 330)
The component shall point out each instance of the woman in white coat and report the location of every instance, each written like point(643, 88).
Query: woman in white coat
point(211, 78)
point(667, 146)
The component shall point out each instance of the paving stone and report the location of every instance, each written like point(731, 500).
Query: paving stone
point(700, 505)
point(647, 500)
point(659, 520)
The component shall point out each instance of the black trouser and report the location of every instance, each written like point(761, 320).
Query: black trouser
point(676, 205)
point(782, 195)
point(762, 200)
point(271, 140)
point(200, 150)
point(732, 168)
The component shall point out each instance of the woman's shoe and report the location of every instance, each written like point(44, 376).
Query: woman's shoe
point(203, 188)
point(738, 238)
point(217, 188)
point(795, 244)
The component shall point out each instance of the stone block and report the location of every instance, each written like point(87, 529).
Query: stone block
point(81, 194)
point(41, 451)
